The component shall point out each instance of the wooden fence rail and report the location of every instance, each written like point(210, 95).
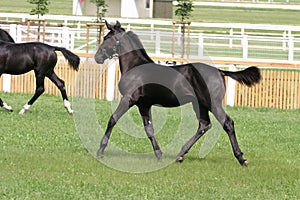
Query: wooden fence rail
point(279, 88)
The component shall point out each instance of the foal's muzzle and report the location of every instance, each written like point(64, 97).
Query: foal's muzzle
point(99, 59)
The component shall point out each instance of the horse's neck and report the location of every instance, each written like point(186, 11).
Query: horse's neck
point(132, 59)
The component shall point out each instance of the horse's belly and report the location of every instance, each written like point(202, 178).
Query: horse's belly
point(165, 97)
point(17, 71)
point(18, 66)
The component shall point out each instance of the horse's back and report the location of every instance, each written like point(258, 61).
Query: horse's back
point(170, 86)
point(19, 58)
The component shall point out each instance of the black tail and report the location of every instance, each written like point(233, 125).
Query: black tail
point(248, 76)
point(73, 59)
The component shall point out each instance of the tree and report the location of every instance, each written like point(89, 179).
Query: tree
point(184, 9)
point(101, 9)
point(40, 9)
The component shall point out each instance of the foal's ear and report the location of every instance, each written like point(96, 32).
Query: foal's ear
point(117, 25)
point(109, 27)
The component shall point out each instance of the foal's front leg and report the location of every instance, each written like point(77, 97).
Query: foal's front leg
point(147, 120)
point(38, 91)
point(4, 105)
point(122, 108)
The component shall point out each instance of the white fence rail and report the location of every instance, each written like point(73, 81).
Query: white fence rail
point(237, 41)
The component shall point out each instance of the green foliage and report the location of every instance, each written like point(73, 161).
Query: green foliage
point(101, 9)
point(41, 7)
point(184, 9)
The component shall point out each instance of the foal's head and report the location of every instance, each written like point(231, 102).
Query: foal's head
point(111, 43)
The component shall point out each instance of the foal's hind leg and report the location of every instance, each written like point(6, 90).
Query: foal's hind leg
point(147, 120)
point(4, 105)
point(228, 126)
point(122, 108)
point(204, 125)
point(60, 84)
point(38, 91)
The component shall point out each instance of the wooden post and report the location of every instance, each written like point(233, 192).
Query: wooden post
point(173, 39)
point(189, 40)
point(182, 39)
point(38, 33)
point(99, 25)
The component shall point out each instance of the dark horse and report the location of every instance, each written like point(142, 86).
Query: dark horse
point(21, 58)
point(144, 83)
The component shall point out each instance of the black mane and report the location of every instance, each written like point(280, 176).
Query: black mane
point(138, 47)
point(4, 36)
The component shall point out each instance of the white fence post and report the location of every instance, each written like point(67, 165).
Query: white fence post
point(19, 34)
point(230, 37)
point(111, 76)
point(284, 41)
point(128, 27)
point(65, 37)
point(79, 28)
point(157, 42)
point(230, 88)
point(152, 30)
point(13, 31)
point(200, 45)
point(245, 47)
point(6, 82)
point(291, 48)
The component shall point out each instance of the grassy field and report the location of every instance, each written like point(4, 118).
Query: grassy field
point(61, 7)
point(43, 157)
point(245, 15)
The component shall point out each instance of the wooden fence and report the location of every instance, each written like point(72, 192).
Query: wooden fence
point(279, 88)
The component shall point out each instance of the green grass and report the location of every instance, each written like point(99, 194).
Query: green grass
point(43, 157)
point(61, 7)
point(245, 15)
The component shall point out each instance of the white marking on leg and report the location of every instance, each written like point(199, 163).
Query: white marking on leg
point(7, 107)
point(68, 106)
point(24, 109)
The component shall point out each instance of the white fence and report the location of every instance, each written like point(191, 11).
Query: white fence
point(215, 40)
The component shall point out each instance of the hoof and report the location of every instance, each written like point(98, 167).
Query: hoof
point(68, 107)
point(71, 112)
point(158, 155)
point(22, 111)
point(245, 163)
point(7, 107)
point(100, 155)
point(179, 159)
